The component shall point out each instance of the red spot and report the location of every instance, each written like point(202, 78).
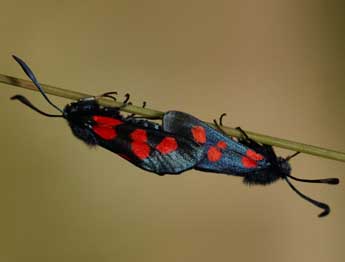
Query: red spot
point(213, 154)
point(199, 134)
point(248, 163)
point(107, 121)
point(167, 145)
point(253, 155)
point(222, 145)
point(104, 132)
point(140, 149)
point(139, 135)
point(139, 146)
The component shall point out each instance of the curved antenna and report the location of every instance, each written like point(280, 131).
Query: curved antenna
point(26, 102)
point(331, 181)
point(31, 75)
point(324, 206)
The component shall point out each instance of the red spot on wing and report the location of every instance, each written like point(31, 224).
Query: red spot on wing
point(248, 163)
point(140, 149)
point(213, 154)
point(107, 121)
point(222, 144)
point(251, 158)
point(199, 134)
point(139, 146)
point(104, 132)
point(167, 145)
point(105, 126)
point(139, 135)
point(253, 155)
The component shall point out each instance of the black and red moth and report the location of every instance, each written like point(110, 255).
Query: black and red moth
point(139, 141)
point(256, 163)
point(181, 143)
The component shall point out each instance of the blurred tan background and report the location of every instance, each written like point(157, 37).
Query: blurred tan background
point(276, 67)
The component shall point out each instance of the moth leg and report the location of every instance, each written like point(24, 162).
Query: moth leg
point(133, 115)
point(219, 124)
point(262, 149)
point(245, 139)
point(109, 95)
point(221, 119)
point(125, 102)
point(127, 96)
point(244, 134)
point(291, 156)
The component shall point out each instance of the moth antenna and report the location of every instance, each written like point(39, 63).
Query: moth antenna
point(31, 75)
point(26, 102)
point(331, 181)
point(325, 207)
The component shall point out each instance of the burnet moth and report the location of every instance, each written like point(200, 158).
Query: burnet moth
point(256, 163)
point(139, 141)
point(181, 143)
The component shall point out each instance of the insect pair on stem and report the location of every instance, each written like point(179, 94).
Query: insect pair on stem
point(180, 143)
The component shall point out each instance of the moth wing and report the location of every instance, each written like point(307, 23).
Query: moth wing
point(222, 154)
point(151, 149)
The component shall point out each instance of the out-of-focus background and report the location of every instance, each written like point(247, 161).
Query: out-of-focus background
point(276, 67)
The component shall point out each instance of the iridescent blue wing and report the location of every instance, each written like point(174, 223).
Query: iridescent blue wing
point(222, 153)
